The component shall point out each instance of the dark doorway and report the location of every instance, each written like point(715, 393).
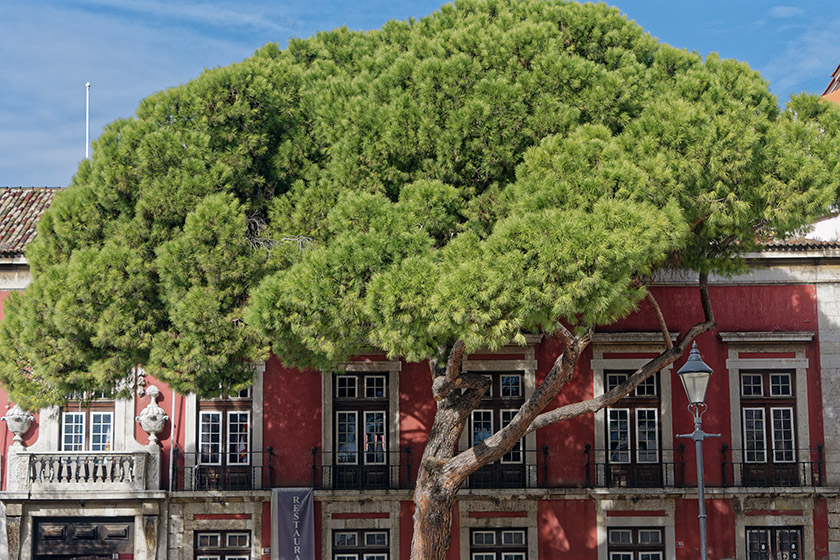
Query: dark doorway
point(84, 538)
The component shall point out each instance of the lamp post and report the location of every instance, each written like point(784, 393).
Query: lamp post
point(695, 375)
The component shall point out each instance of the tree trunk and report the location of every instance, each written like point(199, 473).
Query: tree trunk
point(433, 502)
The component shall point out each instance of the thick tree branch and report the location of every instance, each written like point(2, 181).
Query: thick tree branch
point(666, 335)
point(452, 379)
point(492, 448)
point(666, 358)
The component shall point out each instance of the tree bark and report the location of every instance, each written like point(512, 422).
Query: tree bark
point(443, 469)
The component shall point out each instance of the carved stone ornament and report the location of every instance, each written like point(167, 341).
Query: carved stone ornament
point(152, 418)
point(18, 422)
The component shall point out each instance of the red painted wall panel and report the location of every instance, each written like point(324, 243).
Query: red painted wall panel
point(265, 529)
point(720, 529)
point(565, 440)
point(567, 529)
point(291, 421)
point(820, 529)
point(417, 410)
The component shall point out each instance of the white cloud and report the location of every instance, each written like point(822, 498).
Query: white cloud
point(784, 12)
point(807, 60)
point(210, 13)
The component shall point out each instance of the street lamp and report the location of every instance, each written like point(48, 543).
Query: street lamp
point(695, 375)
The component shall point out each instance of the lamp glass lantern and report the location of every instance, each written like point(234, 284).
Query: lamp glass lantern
point(695, 375)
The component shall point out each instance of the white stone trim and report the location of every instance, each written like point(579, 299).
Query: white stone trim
point(626, 343)
point(666, 521)
point(799, 365)
point(759, 337)
point(390, 524)
point(529, 522)
point(183, 515)
point(777, 273)
point(392, 368)
point(806, 521)
point(528, 366)
point(190, 418)
point(95, 508)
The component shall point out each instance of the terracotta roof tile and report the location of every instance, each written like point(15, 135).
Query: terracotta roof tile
point(792, 245)
point(20, 209)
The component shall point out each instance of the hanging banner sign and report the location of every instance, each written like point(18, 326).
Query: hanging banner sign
point(292, 524)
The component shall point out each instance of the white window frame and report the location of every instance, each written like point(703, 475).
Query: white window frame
point(763, 434)
point(655, 435)
point(353, 455)
point(792, 419)
point(365, 452)
point(110, 433)
point(493, 533)
point(610, 451)
point(616, 531)
point(472, 423)
point(247, 539)
point(217, 535)
point(521, 386)
point(376, 556)
point(226, 428)
point(383, 379)
point(761, 385)
point(201, 432)
point(483, 556)
point(355, 384)
point(517, 447)
point(515, 532)
point(653, 380)
point(513, 556)
point(787, 374)
point(64, 423)
point(650, 555)
point(621, 555)
point(336, 534)
point(370, 533)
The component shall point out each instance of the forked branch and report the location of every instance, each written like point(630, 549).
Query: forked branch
point(665, 359)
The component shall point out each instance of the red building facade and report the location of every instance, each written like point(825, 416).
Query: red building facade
point(93, 482)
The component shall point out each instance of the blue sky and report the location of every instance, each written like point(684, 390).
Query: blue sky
point(129, 49)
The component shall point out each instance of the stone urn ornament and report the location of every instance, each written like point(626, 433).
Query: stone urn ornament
point(152, 418)
point(18, 421)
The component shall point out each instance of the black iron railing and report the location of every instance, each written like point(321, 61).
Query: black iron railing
point(377, 470)
point(243, 471)
point(806, 470)
point(530, 472)
point(659, 474)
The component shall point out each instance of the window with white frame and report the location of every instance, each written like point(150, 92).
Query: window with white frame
point(636, 543)
point(633, 434)
point(768, 423)
point(224, 454)
point(222, 545)
point(224, 437)
point(87, 430)
point(361, 544)
point(360, 408)
point(498, 544)
point(498, 408)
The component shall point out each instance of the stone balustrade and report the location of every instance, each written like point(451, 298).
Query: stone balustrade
point(118, 471)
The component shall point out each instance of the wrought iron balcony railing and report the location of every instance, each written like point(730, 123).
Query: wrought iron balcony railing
point(531, 471)
point(195, 471)
point(806, 470)
point(377, 470)
point(659, 474)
